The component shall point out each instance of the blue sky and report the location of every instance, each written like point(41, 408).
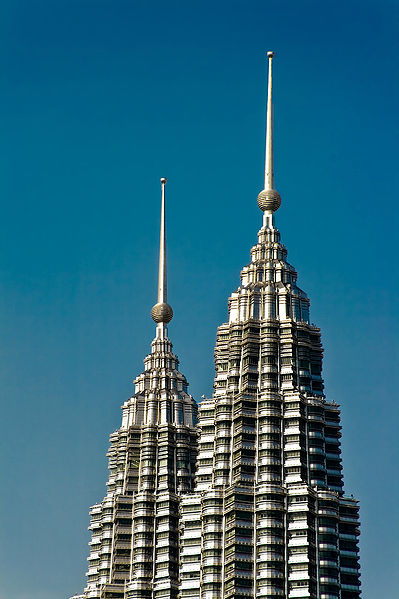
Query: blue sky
point(99, 100)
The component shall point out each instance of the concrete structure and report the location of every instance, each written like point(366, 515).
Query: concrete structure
point(268, 516)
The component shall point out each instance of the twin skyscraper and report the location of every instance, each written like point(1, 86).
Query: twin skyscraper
point(241, 497)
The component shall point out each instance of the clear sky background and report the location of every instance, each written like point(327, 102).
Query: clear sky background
point(99, 99)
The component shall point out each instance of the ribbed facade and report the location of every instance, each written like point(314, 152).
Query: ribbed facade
point(134, 549)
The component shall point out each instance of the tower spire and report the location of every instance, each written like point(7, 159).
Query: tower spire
point(162, 313)
point(162, 283)
point(269, 175)
point(269, 199)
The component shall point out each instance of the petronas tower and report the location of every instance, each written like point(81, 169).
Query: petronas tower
point(249, 501)
point(134, 549)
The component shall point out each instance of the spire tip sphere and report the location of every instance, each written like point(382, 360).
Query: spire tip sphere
point(162, 312)
point(270, 54)
point(269, 200)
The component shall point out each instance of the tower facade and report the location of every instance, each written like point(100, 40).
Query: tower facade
point(269, 517)
point(134, 548)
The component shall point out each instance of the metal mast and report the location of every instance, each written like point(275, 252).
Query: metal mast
point(162, 312)
point(269, 199)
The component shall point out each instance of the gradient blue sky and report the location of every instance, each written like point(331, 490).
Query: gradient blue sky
point(99, 99)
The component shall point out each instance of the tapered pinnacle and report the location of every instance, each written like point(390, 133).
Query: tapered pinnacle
point(269, 199)
point(269, 175)
point(162, 312)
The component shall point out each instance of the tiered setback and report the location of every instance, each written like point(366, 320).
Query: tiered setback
point(269, 517)
point(134, 550)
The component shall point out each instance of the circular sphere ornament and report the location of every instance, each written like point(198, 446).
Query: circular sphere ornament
point(269, 200)
point(162, 313)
